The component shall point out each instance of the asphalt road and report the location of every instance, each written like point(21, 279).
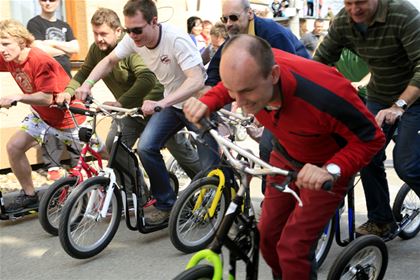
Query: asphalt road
point(27, 252)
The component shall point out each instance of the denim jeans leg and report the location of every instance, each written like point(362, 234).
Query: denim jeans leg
point(159, 129)
point(209, 151)
point(186, 155)
point(406, 153)
point(374, 180)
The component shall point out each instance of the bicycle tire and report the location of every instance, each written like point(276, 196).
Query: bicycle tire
point(198, 272)
point(190, 230)
point(325, 242)
point(173, 167)
point(73, 220)
point(405, 203)
point(52, 202)
point(368, 253)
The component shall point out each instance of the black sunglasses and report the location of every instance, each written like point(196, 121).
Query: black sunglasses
point(135, 30)
point(224, 19)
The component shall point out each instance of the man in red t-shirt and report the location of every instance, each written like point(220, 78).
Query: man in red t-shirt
point(322, 129)
point(40, 77)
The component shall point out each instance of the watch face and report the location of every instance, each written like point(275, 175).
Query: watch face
point(333, 169)
point(401, 103)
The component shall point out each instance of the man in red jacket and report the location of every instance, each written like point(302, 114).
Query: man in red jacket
point(321, 127)
point(40, 78)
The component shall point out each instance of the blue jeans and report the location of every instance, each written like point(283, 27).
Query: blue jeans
point(406, 154)
point(159, 129)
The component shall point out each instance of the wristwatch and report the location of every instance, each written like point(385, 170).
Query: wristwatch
point(334, 170)
point(400, 103)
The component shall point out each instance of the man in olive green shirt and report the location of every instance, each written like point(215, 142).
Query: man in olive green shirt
point(131, 82)
point(385, 34)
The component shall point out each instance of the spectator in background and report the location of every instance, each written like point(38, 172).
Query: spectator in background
point(330, 14)
point(56, 38)
point(195, 27)
point(276, 8)
point(218, 35)
point(207, 25)
point(310, 8)
point(312, 39)
point(303, 27)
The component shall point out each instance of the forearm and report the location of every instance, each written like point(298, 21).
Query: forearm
point(135, 95)
point(48, 48)
point(190, 87)
point(38, 98)
point(103, 68)
point(69, 48)
point(410, 94)
point(216, 97)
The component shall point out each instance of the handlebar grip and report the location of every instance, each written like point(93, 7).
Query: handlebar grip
point(81, 111)
point(328, 185)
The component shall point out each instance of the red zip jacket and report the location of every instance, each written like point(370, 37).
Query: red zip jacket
point(321, 119)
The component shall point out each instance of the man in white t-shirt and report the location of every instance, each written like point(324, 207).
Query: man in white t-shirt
point(176, 62)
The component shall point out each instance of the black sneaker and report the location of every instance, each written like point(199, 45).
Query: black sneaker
point(379, 229)
point(157, 217)
point(23, 201)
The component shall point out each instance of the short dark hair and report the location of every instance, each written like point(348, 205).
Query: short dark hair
point(257, 48)
point(146, 7)
point(108, 16)
point(191, 21)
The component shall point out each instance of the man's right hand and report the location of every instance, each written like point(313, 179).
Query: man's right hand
point(63, 97)
point(83, 91)
point(195, 110)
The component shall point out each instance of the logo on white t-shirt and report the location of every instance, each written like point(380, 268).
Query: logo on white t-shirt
point(165, 59)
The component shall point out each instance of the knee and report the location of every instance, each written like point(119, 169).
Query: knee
point(408, 171)
point(13, 149)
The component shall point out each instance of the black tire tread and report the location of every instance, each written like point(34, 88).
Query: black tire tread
point(45, 202)
point(355, 246)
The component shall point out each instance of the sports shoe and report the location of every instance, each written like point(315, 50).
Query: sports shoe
point(54, 174)
point(23, 201)
point(156, 216)
point(379, 229)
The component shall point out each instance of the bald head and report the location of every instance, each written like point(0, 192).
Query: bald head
point(244, 47)
point(248, 72)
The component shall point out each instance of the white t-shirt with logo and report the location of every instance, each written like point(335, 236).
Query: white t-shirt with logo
point(174, 54)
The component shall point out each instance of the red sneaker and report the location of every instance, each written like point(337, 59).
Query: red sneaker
point(54, 175)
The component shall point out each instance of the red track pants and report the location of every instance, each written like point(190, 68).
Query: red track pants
point(288, 232)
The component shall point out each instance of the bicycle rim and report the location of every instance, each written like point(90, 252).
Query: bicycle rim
point(52, 203)
point(85, 232)
point(408, 204)
point(194, 228)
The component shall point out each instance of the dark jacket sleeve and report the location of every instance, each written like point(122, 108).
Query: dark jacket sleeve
point(213, 75)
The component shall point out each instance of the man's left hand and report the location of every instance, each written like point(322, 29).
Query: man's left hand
point(389, 116)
